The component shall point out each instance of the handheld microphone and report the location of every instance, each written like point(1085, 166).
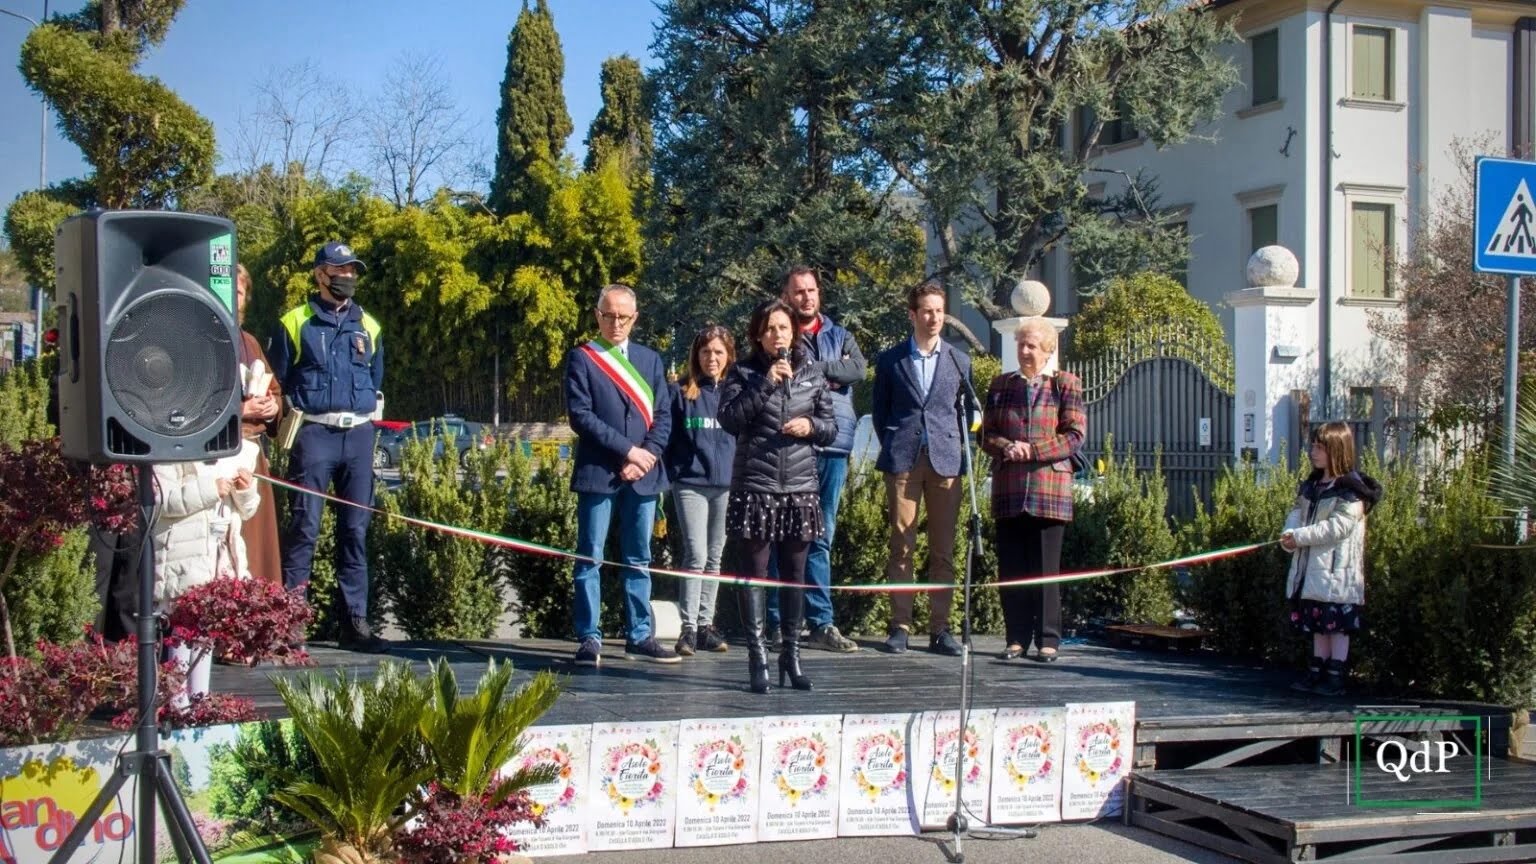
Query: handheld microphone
point(784, 355)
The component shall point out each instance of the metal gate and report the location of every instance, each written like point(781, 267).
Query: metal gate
point(1165, 390)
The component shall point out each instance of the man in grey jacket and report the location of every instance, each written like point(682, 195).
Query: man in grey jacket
point(835, 352)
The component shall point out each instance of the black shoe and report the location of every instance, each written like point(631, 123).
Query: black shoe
point(1046, 655)
point(896, 643)
point(356, 635)
point(711, 640)
point(650, 651)
point(684, 646)
point(590, 653)
point(1012, 652)
point(1333, 680)
point(1313, 678)
point(944, 643)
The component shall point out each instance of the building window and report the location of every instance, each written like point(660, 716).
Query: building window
point(1263, 227)
point(1371, 63)
point(1362, 403)
point(1116, 131)
point(1265, 51)
point(1370, 250)
point(1181, 272)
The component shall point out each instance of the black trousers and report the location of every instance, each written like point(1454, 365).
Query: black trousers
point(791, 559)
point(1030, 546)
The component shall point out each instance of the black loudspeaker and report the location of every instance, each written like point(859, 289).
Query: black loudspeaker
point(149, 358)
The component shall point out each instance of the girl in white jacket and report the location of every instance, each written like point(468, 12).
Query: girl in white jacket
point(197, 539)
point(1325, 532)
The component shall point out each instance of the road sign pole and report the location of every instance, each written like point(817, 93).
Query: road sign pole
point(1511, 367)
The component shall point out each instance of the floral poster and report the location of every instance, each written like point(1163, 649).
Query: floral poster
point(1027, 747)
point(876, 797)
point(799, 778)
point(939, 743)
point(1100, 739)
point(564, 800)
point(633, 800)
point(717, 785)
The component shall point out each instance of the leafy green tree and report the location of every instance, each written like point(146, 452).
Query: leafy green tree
point(1138, 304)
point(532, 123)
point(146, 147)
point(244, 775)
point(756, 169)
point(770, 109)
point(622, 127)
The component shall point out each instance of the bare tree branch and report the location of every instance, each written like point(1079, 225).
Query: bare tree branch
point(419, 137)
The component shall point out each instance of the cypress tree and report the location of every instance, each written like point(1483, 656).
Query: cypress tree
point(532, 122)
point(622, 127)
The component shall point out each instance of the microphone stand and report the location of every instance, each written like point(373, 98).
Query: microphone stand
point(957, 824)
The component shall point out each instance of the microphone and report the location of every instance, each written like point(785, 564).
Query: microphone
point(784, 355)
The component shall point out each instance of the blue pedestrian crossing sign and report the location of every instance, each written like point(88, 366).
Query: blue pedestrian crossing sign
point(1504, 225)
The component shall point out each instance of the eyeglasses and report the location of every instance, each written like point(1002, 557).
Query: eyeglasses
point(615, 318)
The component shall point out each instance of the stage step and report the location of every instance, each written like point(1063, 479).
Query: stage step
point(1289, 813)
point(1322, 735)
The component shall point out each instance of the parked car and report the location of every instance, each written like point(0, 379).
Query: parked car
point(466, 436)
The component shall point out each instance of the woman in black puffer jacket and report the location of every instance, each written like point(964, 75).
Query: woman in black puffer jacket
point(778, 407)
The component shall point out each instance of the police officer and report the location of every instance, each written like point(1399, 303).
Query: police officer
point(328, 356)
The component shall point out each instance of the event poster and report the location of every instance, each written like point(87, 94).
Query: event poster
point(717, 785)
point(633, 800)
point(1026, 765)
point(937, 747)
point(1100, 744)
point(799, 785)
point(562, 801)
point(876, 797)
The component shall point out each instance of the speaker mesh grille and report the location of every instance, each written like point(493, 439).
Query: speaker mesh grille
point(171, 365)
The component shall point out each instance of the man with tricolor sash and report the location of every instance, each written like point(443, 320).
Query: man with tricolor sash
point(616, 398)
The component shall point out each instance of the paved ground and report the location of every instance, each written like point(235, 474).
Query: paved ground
point(1100, 843)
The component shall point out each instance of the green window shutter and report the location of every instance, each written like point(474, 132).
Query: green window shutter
point(1263, 227)
point(1371, 65)
point(1370, 247)
point(1266, 66)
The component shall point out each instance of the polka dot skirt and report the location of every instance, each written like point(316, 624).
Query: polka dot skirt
point(774, 516)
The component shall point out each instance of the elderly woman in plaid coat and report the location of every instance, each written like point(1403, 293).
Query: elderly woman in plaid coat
point(1032, 425)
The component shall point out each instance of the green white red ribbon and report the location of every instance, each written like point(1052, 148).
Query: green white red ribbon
point(531, 548)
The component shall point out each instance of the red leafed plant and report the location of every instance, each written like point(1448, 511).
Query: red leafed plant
point(46, 496)
point(243, 621)
point(451, 829)
point(48, 698)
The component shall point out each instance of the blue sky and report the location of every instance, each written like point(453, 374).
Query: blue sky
point(218, 50)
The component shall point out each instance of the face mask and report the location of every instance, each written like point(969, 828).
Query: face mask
point(344, 286)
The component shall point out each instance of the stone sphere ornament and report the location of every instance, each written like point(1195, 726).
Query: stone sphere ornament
point(1273, 267)
point(1030, 298)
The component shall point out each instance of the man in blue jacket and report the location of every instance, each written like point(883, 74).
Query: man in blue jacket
point(329, 358)
point(919, 402)
point(616, 396)
point(835, 351)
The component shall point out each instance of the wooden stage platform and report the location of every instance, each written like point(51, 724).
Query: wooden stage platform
point(1226, 755)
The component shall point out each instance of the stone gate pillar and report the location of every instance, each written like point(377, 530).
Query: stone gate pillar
point(1030, 299)
point(1274, 339)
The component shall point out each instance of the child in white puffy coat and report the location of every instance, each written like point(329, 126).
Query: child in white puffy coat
point(1325, 532)
point(197, 539)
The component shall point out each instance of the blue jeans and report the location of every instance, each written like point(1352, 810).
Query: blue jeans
point(637, 519)
point(322, 456)
point(831, 474)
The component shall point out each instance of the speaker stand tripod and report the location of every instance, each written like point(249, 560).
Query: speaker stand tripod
point(146, 761)
point(958, 825)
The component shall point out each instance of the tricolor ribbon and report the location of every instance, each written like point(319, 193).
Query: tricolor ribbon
point(531, 548)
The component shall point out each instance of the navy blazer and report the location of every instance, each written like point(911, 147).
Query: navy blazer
point(607, 423)
point(901, 413)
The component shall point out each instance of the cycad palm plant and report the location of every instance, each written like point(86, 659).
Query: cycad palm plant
point(470, 738)
point(368, 755)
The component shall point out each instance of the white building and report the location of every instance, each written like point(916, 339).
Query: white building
point(1391, 83)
